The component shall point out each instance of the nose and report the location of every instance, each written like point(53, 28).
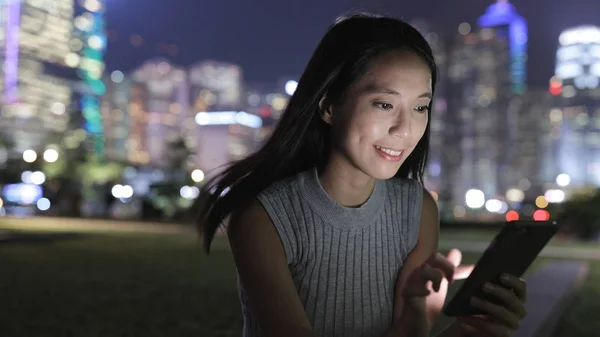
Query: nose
point(401, 127)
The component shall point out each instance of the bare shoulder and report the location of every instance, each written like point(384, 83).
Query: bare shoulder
point(430, 215)
point(263, 271)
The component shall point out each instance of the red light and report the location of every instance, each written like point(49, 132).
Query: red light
point(555, 88)
point(265, 112)
point(541, 215)
point(512, 216)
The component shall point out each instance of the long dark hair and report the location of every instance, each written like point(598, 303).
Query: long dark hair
point(301, 139)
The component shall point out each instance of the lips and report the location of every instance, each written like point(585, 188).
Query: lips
point(390, 151)
point(389, 154)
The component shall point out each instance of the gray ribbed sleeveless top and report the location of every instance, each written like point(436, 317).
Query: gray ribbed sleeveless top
point(344, 261)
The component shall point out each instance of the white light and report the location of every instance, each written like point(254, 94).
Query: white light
point(249, 120)
point(228, 118)
point(92, 5)
point(29, 156)
point(515, 195)
point(38, 178)
point(51, 155)
point(555, 196)
point(84, 22)
point(126, 192)
point(117, 76)
point(96, 42)
point(493, 205)
point(72, 60)
point(569, 70)
point(26, 177)
point(290, 87)
point(43, 204)
point(117, 191)
point(198, 176)
point(474, 198)
point(582, 34)
point(563, 180)
point(58, 108)
point(189, 192)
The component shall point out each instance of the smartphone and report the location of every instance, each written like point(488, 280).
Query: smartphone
point(512, 251)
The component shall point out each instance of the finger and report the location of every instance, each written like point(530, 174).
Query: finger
point(434, 276)
point(440, 262)
point(487, 327)
point(507, 297)
point(455, 257)
point(463, 272)
point(420, 280)
point(517, 284)
point(496, 312)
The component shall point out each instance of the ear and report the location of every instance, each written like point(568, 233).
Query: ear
point(325, 110)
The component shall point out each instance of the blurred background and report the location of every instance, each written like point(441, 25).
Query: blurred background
point(117, 111)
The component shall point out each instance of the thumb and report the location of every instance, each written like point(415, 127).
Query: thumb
point(455, 257)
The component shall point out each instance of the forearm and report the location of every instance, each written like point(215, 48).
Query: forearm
point(409, 327)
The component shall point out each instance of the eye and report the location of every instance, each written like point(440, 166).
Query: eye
point(383, 106)
point(422, 108)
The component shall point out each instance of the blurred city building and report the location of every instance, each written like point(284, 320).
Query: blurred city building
point(158, 109)
point(35, 79)
point(117, 119)
point(485, 80)
point(88, 46)
point(442, 134)
point(576, 115)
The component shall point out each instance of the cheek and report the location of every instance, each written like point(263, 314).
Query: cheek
point(420, 124)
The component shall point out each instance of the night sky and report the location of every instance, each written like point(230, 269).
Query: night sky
point(274, 38)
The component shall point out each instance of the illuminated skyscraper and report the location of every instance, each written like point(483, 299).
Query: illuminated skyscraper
point(36, 94)
point(576, 117)
point(486, 74)
point(509, 26)
point(476, 81)
point(117, 119)
point(89, 44)
point(216, 86)
point(158, 110)
point(441, 156)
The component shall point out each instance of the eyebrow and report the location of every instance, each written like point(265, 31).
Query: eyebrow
point(374, 89)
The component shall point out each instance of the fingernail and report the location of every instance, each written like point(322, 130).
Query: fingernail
point(488, 287)
point(505, 277)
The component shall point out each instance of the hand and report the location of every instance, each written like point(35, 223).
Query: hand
point(435, 300)
point(425, 290)
point(500, 320)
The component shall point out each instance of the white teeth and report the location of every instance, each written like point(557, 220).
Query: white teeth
point(388, 151)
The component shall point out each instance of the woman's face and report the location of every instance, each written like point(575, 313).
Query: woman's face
point(383, 116)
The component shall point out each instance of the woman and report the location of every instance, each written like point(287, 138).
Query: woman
point(330, 227)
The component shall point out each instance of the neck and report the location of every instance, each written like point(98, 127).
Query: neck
point(346, 185)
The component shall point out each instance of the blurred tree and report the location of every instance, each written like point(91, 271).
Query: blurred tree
point(10, 164)
point(76, 172)
point(166, 196)
point(580, 215)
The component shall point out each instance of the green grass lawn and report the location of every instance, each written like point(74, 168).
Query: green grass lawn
point(118, 285)
point(581, 317)
point(150, 285)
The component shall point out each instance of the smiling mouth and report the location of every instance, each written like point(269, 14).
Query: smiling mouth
point(390, 152)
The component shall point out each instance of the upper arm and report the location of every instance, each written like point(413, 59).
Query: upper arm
point(263, 271)
point(427, 243)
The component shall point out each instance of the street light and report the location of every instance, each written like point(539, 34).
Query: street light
point(198, 176)
point(290, 87)
point(29, 156)
point(51, 155)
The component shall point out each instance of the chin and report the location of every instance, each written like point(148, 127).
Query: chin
point(383, 172)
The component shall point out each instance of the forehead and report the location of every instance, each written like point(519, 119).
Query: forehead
point(403, 69)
